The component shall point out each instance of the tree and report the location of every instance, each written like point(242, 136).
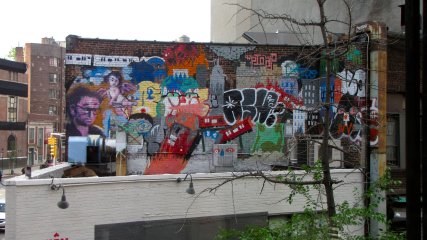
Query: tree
point(12, 54)
point(330, 53)
point(312, 224)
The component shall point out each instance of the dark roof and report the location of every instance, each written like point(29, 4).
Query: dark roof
point(13, 66)
point(281, 38)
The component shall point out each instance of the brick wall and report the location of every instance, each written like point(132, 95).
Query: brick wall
point(175, 90)
point(396, 76)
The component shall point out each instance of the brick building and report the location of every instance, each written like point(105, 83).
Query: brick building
point(13, 117)
point(396, 107)
point(46, 95)
point(207, 107)
point(202, 108)
point(229, 24)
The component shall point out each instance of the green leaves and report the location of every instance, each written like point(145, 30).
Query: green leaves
point(313, 222)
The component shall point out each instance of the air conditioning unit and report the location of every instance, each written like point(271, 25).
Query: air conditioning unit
point(77, 149)
point(336, 157)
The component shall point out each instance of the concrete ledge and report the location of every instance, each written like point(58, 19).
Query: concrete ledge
point(44, 176)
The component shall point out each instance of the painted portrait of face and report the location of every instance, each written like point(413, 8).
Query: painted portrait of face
point(83, 105)
point(178, 92)
point(113, 81)
point(85, 110)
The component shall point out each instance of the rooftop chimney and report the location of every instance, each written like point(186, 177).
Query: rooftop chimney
point(19, 54)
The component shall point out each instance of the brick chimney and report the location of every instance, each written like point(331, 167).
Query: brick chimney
point(19, 54)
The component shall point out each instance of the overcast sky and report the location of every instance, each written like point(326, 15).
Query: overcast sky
point(28, 21)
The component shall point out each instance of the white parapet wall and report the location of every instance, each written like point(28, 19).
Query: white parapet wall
point(32, 211)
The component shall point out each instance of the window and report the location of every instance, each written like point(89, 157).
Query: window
point(53, 62)
point(53, 94)
point(40, 137)
point(393, 140)
point(13, 76)
point(11, 143)
point(31, 135)
point(53, 78)
point(53, 110)
point(12, 109)
point(31, 156)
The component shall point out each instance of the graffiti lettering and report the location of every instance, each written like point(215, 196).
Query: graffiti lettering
point(78, 59)
point(261, 105)
point(113, 61)
point(353, 83)
point(240, 128)
point(259, 60)
point(343, 127)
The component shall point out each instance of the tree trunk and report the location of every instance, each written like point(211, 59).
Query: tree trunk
point(327, 180)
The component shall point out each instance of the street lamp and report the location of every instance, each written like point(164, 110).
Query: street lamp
point(62, 204)
point(190, 189)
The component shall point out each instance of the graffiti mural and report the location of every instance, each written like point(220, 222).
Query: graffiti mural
point(260, 105)
point(190, 107)
point(262, 60)
point(348, 119)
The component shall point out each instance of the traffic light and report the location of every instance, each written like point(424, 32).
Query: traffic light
point(51, 141)
point(53, 147)
point(53, 151)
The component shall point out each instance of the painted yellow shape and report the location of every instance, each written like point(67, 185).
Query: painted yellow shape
point(148, 102)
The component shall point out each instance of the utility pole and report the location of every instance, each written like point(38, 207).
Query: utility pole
point(377, 110)
point(424, 121)
point(413, 151)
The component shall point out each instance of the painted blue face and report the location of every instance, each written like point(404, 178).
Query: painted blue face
point(141, 126)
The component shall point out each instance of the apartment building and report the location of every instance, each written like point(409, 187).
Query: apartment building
point(46, 95)
point(13, 117)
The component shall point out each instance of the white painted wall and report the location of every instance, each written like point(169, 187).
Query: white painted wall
point(32, 212)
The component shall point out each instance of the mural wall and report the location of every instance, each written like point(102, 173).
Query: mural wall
point(194, 107)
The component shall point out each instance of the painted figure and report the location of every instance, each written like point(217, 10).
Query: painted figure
point(83, 106)
point(117, 87)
